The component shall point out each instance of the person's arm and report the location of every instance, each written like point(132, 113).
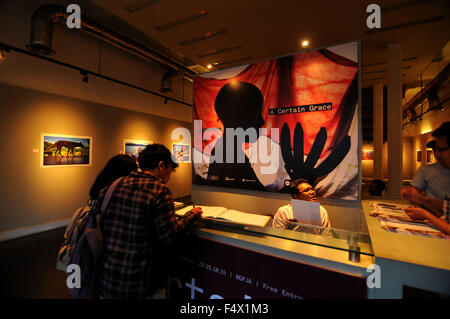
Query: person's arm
point(420, 213)
point(413, 191)
point(279, 219)
point(166, 224)
point(324, 218)
point(412, 194)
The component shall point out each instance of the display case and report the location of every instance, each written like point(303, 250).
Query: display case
point(230, 260)
point(354, 243)
point(411, 265)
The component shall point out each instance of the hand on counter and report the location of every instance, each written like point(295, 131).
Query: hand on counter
point(197, 211)
point(417, 213)
point(412, 194)
point(433, 206)
point(420, 213)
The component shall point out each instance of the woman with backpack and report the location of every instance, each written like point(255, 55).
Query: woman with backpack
point(118, 166)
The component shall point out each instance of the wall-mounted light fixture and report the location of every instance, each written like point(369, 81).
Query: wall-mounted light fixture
point(85, 76)
point(3, 51)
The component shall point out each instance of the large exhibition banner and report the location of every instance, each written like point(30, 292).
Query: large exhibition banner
point(262, 125)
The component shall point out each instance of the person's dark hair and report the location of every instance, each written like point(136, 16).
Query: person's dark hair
point(118, 166)
point(376, 187)
point(150, 157)
point(293, 187)
point(443, 131)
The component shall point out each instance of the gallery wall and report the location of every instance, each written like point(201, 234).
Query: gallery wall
point(40, 97)
point(80, 50)
point(31, 194)
point(408, 165)
point(415, 137)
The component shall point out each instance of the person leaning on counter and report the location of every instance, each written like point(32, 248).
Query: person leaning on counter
point(302, 190)
point(137, 225)
point(433, 179)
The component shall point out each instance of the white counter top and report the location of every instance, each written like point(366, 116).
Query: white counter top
point(419, 250)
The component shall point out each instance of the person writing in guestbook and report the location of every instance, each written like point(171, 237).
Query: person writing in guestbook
point(137, 227)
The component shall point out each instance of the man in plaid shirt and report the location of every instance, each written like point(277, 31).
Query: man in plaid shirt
point(140, 218)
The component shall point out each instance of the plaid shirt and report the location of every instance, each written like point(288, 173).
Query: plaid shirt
point(140, 216)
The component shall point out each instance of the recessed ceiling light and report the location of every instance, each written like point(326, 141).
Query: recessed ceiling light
point(139, 5)
point(182, 20)
point(305, 43)
point(209, 66)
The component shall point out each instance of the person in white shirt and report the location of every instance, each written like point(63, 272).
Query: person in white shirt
point(299, 189)
point(433, 179)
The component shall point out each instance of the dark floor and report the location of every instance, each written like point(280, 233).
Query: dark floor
point(28, 267)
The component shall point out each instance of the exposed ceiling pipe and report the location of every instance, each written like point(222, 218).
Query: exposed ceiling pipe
point(41, 36)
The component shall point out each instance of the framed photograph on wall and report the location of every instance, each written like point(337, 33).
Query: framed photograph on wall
point(419, 156)
point(65, 150)
point(181, 152)
point(134, 147)
point(367, 155)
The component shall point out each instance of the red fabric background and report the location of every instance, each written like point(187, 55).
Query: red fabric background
point(308, 78)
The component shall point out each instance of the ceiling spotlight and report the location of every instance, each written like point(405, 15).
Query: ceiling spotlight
point(305, 43)
point(209, 66)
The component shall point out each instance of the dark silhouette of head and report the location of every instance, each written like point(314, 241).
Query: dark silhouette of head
point(376, 187)
point(239, 104)
point(118, 166)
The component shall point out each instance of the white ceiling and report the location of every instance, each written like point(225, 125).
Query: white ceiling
point(255, 30)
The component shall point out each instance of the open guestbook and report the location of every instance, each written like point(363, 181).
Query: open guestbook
point(228, 215)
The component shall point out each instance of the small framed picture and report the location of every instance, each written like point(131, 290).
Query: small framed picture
point(134, 147)
point(419, 156)
point(181, 153)
point(367, 155)
point(65, 150)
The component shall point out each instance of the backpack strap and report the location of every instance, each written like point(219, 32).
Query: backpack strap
point(107, 198)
